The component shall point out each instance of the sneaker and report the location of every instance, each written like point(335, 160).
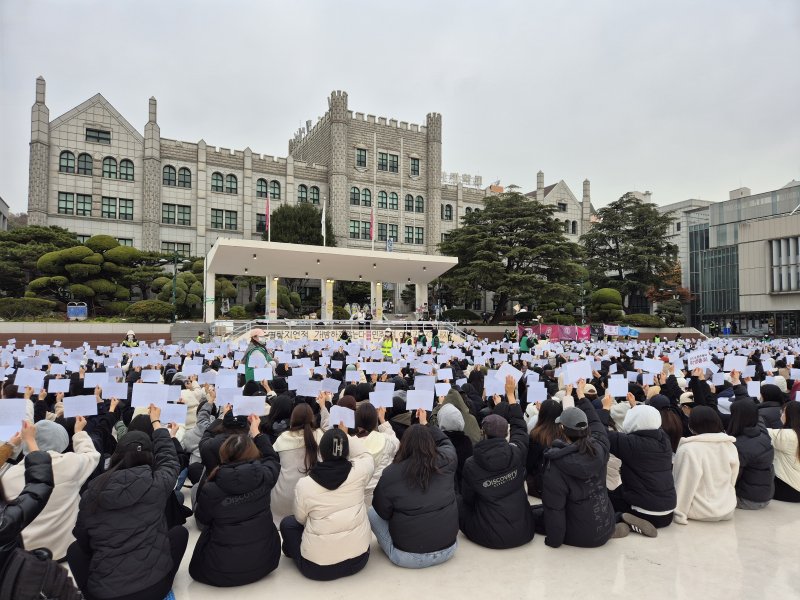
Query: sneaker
point(641, 526)
point(621, 530)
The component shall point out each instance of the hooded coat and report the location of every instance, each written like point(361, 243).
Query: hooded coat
point(756, 481)
point(770, 408)
point(495, 512)
point(240, 543)
point(420, 521)
point(646, 454)
point(577, 510)
point(471, 427)
point(291, 449)
point(121, 524)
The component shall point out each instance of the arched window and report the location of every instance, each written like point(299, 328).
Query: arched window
point(109, 168)
point(85, 164)
point(216, 182)
point(261, 188)
point(574, 227)
point(447, 212)
point(477, 210)
point(393, 200)
point(383, 199)
point(409, 203)
point(566, 226)
point(231, 184)
point(184, 178)
point(366, 197)
point(314, 194)
point(275, 190)
point(419, 205)
point(66, 162)
point(302, 193)
point(355, 196)
point(468, 210)
point(168, 175)
point(126, 170)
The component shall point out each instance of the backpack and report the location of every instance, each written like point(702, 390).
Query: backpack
point(36, 576)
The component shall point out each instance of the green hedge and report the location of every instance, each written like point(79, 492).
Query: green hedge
point(15, 308)
point(459, 314)
point(606, 296)
point(642, 320)
point(340, 314)
point(149, 311)
point(237, 312)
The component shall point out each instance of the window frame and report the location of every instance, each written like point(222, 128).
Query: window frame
point(361, 153)
point(302, 193)
point(232, 220)
point(419, 204)
point(383, 199)
point(169, 176)
point(81, 201)
point(230, 178)
point(414, 167)
point(394, 201)
point(313, 194)
point(183, 181)
point(408, 234)
point(354, 230)
point(261, 222)
point(66, 162)
point(67, 200)
point(217, 218)
point(181, 218)
point(262, 183)
point(126, 170)
point(107, 162)
point(275, 189)
point(394, 163)
point(168, 212)
point(383, 161)
point(366, 228)
point(108, 207)
point(419, 236)
point(97, 136)
point(355, 196)
point(383, 231)
point(82, 169)
point(217, 182)
point(393, 232)
point(125, 209)
point(409, 203)
point(366, 197)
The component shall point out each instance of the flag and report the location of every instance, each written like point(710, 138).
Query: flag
point(266, 220)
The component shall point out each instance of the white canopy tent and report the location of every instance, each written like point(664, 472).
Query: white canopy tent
point(272, 260)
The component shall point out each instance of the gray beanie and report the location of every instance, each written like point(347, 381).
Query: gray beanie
point(450, 418)
point(50, 436)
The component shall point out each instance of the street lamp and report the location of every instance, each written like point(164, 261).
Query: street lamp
point(163, 261)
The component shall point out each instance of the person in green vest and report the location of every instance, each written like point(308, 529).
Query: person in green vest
point(435, 339)
point(524, 342)
point(657, 339)
point(387, 343)
point(422, 339)
point(255, 346)
point(201, 338)
point(130, 340)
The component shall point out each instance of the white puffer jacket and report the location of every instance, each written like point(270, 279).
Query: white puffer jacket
point(382, 445)
point(291, 449)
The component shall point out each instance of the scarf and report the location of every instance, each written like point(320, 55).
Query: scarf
point(330, 474)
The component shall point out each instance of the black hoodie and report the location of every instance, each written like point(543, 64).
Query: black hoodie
point(495, 512)
point(577, 510)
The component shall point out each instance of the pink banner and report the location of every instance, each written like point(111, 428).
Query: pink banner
point(556, 333)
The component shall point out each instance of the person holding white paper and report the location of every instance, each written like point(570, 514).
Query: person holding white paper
point(52, 529)
point(379, 439)
point(787, 454)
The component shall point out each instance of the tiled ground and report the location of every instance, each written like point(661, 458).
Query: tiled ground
point(756, 555)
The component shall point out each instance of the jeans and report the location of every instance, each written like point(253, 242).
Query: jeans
point(409, 560)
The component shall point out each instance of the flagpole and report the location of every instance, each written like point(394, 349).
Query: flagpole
point(269, 229)
point(324, 229)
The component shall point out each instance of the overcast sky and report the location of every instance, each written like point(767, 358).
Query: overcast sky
point(686, 99)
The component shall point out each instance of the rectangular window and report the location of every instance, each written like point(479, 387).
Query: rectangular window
point(445, 236)
point(393, 232)
point(109, 208)
point(83, 205)
point(261, 222)
point(394, 163)
point(168, 214)
point(361, 157)
point(82, 238)
point(383, 161)
point(217, 217)
point(98, 135)
point(125, 242)
point(409, 237)
point(678, 226)
point(382, 232)
point(562, 207)
point(231, 220)
point(393, 200)
point(125, 209)
point(184, 215)
point(419, 235)
point(66, 203)
point(415, 167)
point(354, 230)
point(178, 248)
point(365, 230)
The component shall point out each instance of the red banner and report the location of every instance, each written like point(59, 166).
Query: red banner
point(556, 333)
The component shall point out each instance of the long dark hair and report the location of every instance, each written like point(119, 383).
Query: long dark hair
point(546, 430)
point(792, 413)
point(366, 419)
point(581, 439)
point(418, 448)
point(704, 419)
point(744, 414)
point(673, 426)
point(236, 448)
point(303, 419)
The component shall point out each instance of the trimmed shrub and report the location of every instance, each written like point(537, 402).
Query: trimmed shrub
point(123, 255)
point(16, 308)
point(94, 259)
point(52, 262)
point(149, 311)
point(81, 291)
point(459, 314)
point(340, 314)
point(237, 312)
point(82, 271)
point(562, 320)
point(101, 286)
point(116, 308)
point(642, 320)
point(606, 296)
point(101, 243)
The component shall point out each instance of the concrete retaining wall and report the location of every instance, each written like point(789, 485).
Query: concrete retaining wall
point(75, 334)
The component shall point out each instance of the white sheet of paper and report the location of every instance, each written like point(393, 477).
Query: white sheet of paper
point(493, 386)
point(568, 401)
point(697, 359)
point(115, 390)
point(341, 414)
point(256, 360)
point(262, 373)
point(54, 386)
point(85, 406)
point(336, 364)
point(652, 365)
point(443, 374)
point(734, 361)
point(425, 382)
point(442, 389)
point(618, 387)
point(718, 379)
point(226, 379)
point(249, 405)
point(384, 386)
point(12, 413)
point(173, 413)
point(506, 369)
point(145, 394)
point(331, 385)
point(29, 378)
point(92, 380)
point(753, 389)
point(537, 392)
point(573, 371)
point(58, 369)
point(419, 399)
point(150, 376)
point(794, 374)
point(381, 398)
point(352, 376)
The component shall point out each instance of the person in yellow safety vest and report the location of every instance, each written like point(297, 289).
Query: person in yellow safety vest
point(387, 343)
point(130, 340)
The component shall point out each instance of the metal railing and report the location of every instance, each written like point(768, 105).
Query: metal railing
point(228, 329)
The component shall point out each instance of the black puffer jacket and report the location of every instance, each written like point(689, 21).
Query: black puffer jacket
point(577, 510)
point(646, 471)
point(420, 521)
point(18, 514)
point(756, 480)
point(121, 524)
point(240, 544)
point(496, 509)
point(772, 405)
